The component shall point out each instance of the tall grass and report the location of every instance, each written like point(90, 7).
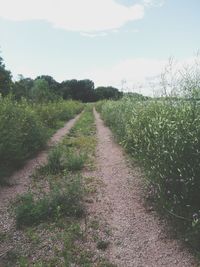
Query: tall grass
point(164, 137)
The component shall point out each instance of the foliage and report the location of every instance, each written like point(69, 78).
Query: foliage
point(164, 137)
point(59, 202)
point(44, 88)
point(40, 91)
point(22, 88)
point(5, 79)
point(107, 93)
point(21, 132)
point(24, 128)
point(52, 113)
point(82, 90)
point(53, 85)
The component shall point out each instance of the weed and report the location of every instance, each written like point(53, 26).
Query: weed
point(54, 164)
point(58, 203)
point(75, 161)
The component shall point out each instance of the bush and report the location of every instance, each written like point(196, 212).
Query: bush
point(53, 112)
point(24, 128)
point(164, 137)
point(21, 132)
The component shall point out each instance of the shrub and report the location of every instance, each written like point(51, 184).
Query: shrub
point(53, 112)
point(24, 128)
point(21, 132)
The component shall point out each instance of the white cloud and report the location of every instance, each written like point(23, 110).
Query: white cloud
point(93, 35)
point(73, 15)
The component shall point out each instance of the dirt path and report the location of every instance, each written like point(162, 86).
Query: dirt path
point(138, 237)
point(19, 179)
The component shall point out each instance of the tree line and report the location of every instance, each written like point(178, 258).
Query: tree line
point(46, 88)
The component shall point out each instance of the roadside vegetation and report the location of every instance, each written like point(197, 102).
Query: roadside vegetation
point(32, 109)
point(163, 135)
point(25, 128)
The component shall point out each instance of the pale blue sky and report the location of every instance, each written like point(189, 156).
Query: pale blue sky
point(104, 40)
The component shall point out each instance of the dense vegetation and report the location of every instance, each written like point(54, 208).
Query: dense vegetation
point(164, 137)
point(25, 128)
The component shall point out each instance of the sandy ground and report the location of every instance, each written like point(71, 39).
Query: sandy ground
point(138, 238)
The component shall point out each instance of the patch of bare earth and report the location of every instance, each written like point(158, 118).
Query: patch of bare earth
point(20, 182)
point(138, 237)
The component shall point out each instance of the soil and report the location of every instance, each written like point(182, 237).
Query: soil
point(139, 237)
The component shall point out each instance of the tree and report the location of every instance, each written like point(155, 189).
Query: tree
point(82, 90)
point(53, 85)
point(40, 91)
point(5, 79)
point(22, 88)
point(107, 93)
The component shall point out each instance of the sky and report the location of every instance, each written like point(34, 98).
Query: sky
point(122, 43)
